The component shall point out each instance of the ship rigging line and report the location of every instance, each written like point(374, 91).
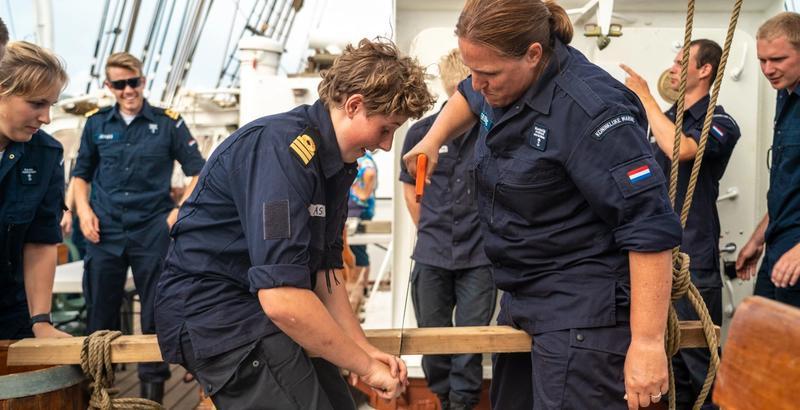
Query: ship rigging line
point(157, 58)
point(118, 28)
point(232, 55)
point(92, 74)
point(132, 24)
point(155, 26)
point(681, 278)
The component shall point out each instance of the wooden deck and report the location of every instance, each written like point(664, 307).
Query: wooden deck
point(177, 394)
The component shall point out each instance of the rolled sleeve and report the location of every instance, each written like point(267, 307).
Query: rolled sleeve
point(45, 227)
point(722, 135)
point(185, 149)
point(272, 192)
point(474, 98)
point(624, 185)
point(88, 157)
point(275, 276)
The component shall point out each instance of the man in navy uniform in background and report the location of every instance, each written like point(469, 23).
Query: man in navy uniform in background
point(127, 154)
point(778, 48)
point(701, 234)
point(451, 271)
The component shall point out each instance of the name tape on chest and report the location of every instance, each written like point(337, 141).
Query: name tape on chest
point(612, 123)
point(304, 148)
point(317, 210)
point(106, 137)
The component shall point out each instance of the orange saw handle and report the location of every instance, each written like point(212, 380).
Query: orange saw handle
point(422, 173)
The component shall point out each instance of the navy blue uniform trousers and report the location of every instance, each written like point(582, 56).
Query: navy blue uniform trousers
point(764, 286)
point(104, 288)
point(271, 373)
point(435, 294)
point(566, 369)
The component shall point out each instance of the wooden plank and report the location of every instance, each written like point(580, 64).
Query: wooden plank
point(374, 227)
point(124, 349)
point(477, 339)
point(760, 365)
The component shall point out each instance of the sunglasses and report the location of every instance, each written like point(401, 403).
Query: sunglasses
point(120, 84)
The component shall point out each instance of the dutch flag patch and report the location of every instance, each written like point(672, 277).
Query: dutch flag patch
point(717, 131)
point(639, 174)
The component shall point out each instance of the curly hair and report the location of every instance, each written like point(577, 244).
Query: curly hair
point(27, 69)
point(390, 83)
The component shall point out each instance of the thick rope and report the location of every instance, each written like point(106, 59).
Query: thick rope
point(681, 277)
point(97, 366)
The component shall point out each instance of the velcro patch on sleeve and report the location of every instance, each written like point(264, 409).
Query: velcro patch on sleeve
point(276, 220)
point(612, 123)
point(304, 148)
point(637, 176)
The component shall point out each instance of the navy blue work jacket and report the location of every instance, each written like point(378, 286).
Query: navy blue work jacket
point(567, 185)
point(783, 197)
point(130, 168)
point(268, 211)
point(701, 234)
point(31, 205)
point(448, 232)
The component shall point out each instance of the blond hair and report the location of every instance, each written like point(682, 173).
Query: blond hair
point(511, 26)
point(786, 23)
point(452, 70)
point(124, 60)
point(27, 69)
point(390, 83)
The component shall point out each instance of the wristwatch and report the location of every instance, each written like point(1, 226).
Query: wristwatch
point(41, 318)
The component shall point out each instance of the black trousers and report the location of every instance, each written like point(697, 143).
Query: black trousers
point(436, 293)
point(691, 365)
point(271, 373)
point(104, 289)
point(15, 322)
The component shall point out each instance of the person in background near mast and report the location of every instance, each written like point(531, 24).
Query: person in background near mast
point(700, 236)
point(451, 271)
point(250, 288)
point(361, 205)
point(127, 154)
point(574, 211)
point(31, 188)
point(778, 49)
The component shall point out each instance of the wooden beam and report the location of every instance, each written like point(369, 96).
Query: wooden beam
point(450, 340)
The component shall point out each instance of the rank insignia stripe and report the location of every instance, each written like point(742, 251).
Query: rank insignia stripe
point(304, 147)
point(169, 112)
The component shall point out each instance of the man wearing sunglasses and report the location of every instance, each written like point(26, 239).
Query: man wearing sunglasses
point(127, 154)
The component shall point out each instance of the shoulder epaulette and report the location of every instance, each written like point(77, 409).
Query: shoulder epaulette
point(92, 112)
point(169, 112)
point(304, 148)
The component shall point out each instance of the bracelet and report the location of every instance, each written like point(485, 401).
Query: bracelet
point(41, 318)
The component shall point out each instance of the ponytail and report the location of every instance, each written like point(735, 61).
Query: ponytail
point(560, 24)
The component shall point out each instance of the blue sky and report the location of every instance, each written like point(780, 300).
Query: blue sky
point(77, 22)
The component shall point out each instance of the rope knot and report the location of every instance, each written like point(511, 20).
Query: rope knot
point(99, 369)
point(681, 278)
